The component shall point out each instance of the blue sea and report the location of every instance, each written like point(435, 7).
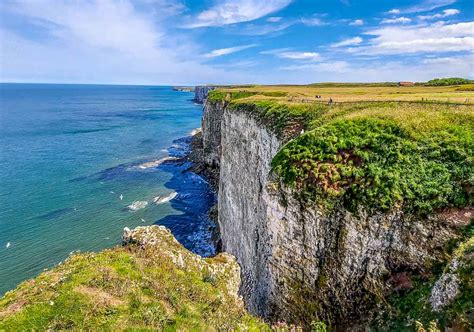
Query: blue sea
point(78, 163)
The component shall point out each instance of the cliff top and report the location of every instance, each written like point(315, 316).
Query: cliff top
point(379, 147)
point(151, 283)
point(355, 92)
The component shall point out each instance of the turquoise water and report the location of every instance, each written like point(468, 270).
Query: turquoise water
point(72, 159)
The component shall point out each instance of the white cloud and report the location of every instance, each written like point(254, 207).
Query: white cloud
point(228, 50)
point(435, 38)
point(311, 56)
point(236, 11)
point(313, 21)
point(357, 23)
point(427, 5)
point(380, 71)
point(394, 11)
point(101, 41)
point(251, 29)
point(285, 53)
point(445, 13)
point(274, 19)
point(348, 42)
point(402, 20)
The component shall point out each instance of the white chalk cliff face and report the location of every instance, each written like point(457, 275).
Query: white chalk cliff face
point(200, 93)
point(299, 263)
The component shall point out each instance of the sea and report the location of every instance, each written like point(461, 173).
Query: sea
point(78, 163)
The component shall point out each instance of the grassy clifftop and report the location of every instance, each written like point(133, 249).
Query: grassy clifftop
point(376, 147)
point(152, 283)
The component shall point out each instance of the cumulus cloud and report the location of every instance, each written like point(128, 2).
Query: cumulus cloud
point(99, 42)
point(236, 11)
point(348, 42)
point(395, 20)
point(357, 23)
point(394, 11)
point(285, 53)
point(228, 50)
point(443, 14)
point(435, 38)
point(312, 56)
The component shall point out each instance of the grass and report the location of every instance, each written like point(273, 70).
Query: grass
point(374, 154)
point(361, 92)
point(153, 287)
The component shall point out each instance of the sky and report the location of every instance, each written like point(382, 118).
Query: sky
point(188, 42)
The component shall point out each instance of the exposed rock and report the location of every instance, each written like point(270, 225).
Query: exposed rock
point(200, 93)
point(300, 263)
point(151, 283)
point(444, 291)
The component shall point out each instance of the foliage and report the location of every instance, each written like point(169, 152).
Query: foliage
point(448, 81)
point(379, 155)
point(411, 309)
point(317, 326)
point(377, 164)
point(130, 288)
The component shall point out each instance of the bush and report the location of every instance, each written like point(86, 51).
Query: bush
point(448, 81)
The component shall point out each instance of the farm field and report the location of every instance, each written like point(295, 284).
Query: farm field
point(363, 92)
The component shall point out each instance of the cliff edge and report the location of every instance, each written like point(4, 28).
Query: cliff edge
point(342, 211)
point(150, 283)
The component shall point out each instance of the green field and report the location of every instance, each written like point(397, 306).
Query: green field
point(363, 92)
point(375, 147)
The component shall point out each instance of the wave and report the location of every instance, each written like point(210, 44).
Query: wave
point(164, 199)
point(137, 205)
point(195, 131)
point(156, 163)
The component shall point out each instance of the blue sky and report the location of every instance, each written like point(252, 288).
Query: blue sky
point(234, 41)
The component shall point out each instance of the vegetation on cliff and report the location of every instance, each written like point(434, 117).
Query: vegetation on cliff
point(442, 299)
point(152, 283)
point(449, 81)
point(415, 155)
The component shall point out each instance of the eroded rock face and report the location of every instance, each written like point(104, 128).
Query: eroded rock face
point(211, 132)
point(200, 93)
point(300, 263)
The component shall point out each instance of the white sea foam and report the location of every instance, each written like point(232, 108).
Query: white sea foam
point(156, 163)
point(195, 131)
point(164, 199)
point(137, 205)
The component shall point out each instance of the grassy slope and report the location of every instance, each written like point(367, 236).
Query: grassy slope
point(130, 288)
point(367, 151)
point(365, 92)
point(378, 154)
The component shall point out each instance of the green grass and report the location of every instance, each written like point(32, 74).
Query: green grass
point(130, 288)
point(448, 81)
point(378, 155)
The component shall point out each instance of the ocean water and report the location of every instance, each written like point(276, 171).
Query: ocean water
point(78, 163)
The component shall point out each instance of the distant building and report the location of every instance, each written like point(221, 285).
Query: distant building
point(406, 84)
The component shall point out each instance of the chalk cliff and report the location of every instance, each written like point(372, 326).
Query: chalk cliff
point(301, 263)
point(200, 93)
